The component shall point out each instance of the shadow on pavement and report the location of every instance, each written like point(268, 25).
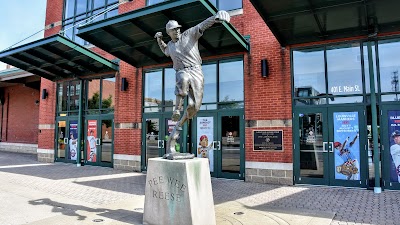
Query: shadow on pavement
point(86, 213)
point(12, 159)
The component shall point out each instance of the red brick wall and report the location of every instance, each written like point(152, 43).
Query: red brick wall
point(54, 10)
point(265, 98)
point(21, 114)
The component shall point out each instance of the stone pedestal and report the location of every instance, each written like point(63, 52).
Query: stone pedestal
point(178, 192)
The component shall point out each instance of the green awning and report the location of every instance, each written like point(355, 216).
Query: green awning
point(301, 21)
point(130, 36)
point(57, 57)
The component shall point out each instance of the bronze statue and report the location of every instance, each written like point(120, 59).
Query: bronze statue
point(184, 52)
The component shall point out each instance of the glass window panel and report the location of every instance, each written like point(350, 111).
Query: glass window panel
point(69, 8)
point(62, 97)
point(112, 13)
point(108, 93)
point(391, 98)
point(210, 83)
point(389, 65)
point(366, 68)
point(153, 89)
point(98, 3)
point(69, 32)
point(214, 2)
point(231, 81)
point(169, 88)
point(229, 4)
point(107, 140)
point(309, 72)
point(93, 94)
point(315, 101)
point(74, 97)
point(77, 89)
point(152, 2)
point(81, 6)
point(208, 107)
point(344, 70)
point(341, 100)
point(112, 1)
point(98, 17)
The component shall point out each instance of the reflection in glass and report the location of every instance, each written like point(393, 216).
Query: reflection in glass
point(344, 70)
point(391, 98)
point(93, 94)
point(231, 81)
point(169, 89)
point(342, 100)
point(61, 135)
point(108, 93)
point(153, 89)
point(152, 128)
point(229, 4)
point(107, 140)
point(366, 68)
point(389, 65)
point(152, 2)
point(314, 101)
point(81, 7)
point(311, 145)
point(230, 145)
point(309, 73)
point(62, 96)
point(70, 6)
point(210, 83)
point(73, 95)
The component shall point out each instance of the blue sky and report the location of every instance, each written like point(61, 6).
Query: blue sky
point(20, 19)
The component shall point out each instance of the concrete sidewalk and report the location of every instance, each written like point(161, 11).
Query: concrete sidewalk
point(37, 193)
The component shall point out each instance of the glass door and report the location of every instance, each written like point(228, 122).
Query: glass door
point(330, 146)
point(154, 139)
point(220, 138)
point(156, 130)
point(390, 146)
point(311, 146)
point(348, 159)
point(99, 140)
point(230, 148)
point(67, 139)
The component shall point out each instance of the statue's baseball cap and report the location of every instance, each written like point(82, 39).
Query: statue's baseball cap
point(172, 24)
point(396, 133)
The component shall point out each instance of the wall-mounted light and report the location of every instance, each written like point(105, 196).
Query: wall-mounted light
point(264, 68)
point(44, 94)
point(124, 84)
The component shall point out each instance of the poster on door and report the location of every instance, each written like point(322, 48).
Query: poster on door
point(73, 140)
point(346, 145)
point(205, 138)
point(91, 150)
point(394, 143)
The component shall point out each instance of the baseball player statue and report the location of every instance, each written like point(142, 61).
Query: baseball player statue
point(184, 52)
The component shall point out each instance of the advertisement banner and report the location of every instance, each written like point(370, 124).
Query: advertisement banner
point(73, 140)
point(394, 143)
point(91, 150)
point(205, 138)
point(346, 145)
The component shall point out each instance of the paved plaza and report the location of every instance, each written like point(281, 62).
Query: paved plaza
point(38, 193)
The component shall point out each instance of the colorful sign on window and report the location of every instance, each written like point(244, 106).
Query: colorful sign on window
point(346, 145)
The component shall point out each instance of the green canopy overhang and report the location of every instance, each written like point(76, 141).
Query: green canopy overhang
point(130, 36)
point(57, 57)
point(302, 21)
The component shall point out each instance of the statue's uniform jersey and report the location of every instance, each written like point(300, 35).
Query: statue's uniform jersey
point(187, 61)
point(395, 152)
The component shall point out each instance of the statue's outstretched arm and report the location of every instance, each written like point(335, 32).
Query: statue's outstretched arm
point(221, 16)
point(160, 42)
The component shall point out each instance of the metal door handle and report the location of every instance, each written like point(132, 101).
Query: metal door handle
point(98, 141)
point(216, 145)
point(323, 146)
point(331, 150)
point(66, 141)
point(160, 143)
